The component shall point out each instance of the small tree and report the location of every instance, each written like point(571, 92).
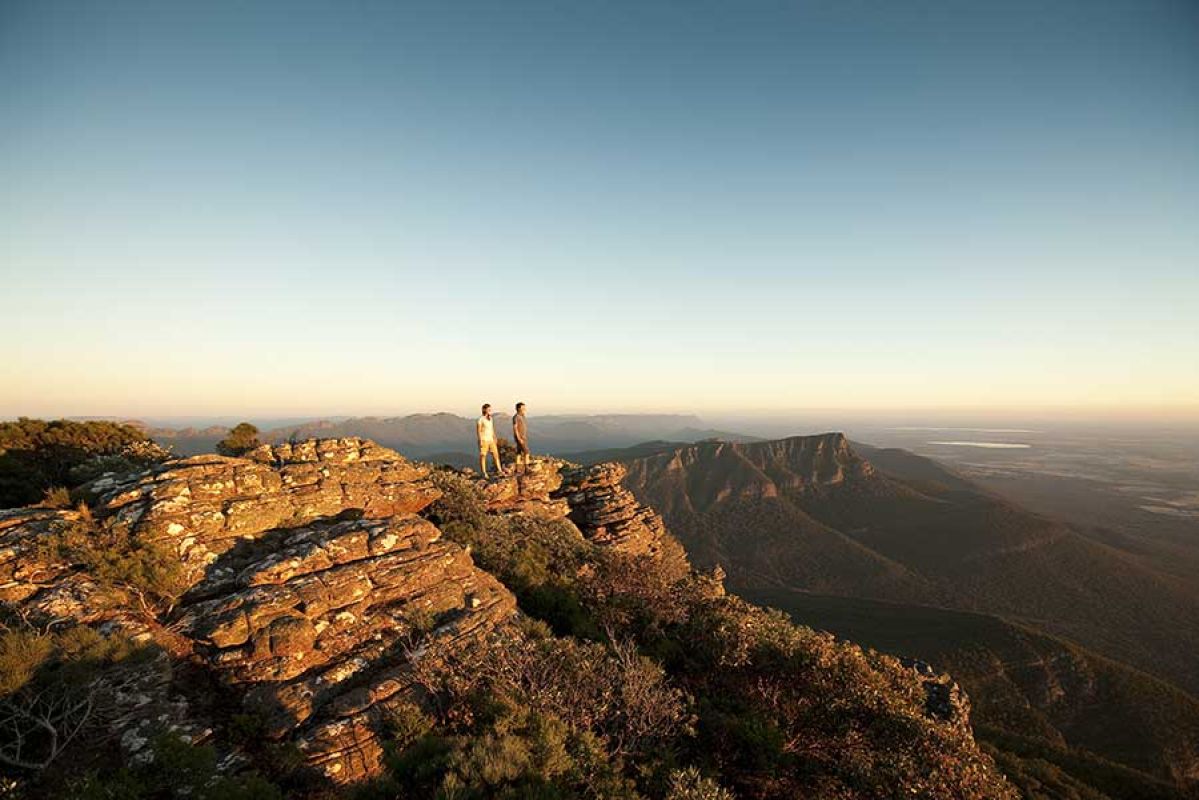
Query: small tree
point(242, 439)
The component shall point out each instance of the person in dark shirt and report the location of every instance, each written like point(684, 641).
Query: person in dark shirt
point(520, 434)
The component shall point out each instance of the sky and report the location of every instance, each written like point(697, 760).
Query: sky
point(252, 208)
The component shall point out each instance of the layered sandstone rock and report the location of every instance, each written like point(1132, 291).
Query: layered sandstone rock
point(529, 491)
point(47, 590)
point(23, 574)
point(203, 505)
point(315, 591)
point(610, 515)
point(322, 626)
point(48, 593)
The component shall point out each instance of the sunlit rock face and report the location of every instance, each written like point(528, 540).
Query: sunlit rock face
point(528, 490)
point(317, 624)
point(609, 514)
point(204, 505)
point(308, 579)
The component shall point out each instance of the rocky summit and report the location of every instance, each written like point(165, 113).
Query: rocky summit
point(328, 587)
point(203, 505)
point(301, 610)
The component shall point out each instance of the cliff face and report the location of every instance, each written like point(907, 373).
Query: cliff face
point(695, 478)
point(610, 515)
point(316, 596)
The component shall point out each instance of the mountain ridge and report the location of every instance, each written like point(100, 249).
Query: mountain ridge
point(773, 514)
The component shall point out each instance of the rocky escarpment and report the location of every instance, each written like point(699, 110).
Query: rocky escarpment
point(203, 505)
point(309, 578)
point(695, 478)
point(310, 583)
point(610, 515)
point(320, 626)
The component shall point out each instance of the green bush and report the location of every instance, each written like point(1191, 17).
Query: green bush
point(36, 455)
point(151, 573)
point(240, 440)
point(59, 686)
point(690, 784)
point(514, 753)
point(538, 559)
point(177, 769)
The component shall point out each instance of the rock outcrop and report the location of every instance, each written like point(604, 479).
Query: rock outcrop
point(943, 698)
point(23, 575)
point(314, 589)
point(610, 515)
point(203, 505)
point(529, 491)
point(320, 625)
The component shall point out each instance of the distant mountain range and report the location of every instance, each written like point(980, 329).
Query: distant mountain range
point(1082, 651)
point(450, 438)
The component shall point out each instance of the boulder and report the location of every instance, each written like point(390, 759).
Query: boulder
point(529, 491)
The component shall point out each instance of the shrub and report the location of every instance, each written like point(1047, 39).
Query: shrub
point(148, 571)
point(57, 497)
point(461, 504)
point(607, 690)
point(538, 559)
point(690, 784)
point(506, 449)
point(132, 457)
point(36, 455)
point(514, 753)
point(239, 441)
point(56, 685)
point(177, 769)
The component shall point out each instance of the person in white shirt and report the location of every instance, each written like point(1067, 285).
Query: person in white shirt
point(486, 432)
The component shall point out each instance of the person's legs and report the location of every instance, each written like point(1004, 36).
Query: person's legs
point(495, 453)
point(483, 460)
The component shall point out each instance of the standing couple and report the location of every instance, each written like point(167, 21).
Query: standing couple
point(487, 441)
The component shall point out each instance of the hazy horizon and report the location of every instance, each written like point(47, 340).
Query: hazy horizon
point(756, 422)
point(260, 209)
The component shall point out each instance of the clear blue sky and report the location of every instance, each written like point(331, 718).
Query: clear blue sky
point(381, 207)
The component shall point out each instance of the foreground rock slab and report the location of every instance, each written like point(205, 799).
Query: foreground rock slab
point(203, 505)
point(322, 626)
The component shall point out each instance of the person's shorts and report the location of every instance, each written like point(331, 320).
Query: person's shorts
point(522, 449)
point(486, 447)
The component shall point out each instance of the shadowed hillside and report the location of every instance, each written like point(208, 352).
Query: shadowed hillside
point(771, 513)
point(1073, 702)
point(796, 518)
